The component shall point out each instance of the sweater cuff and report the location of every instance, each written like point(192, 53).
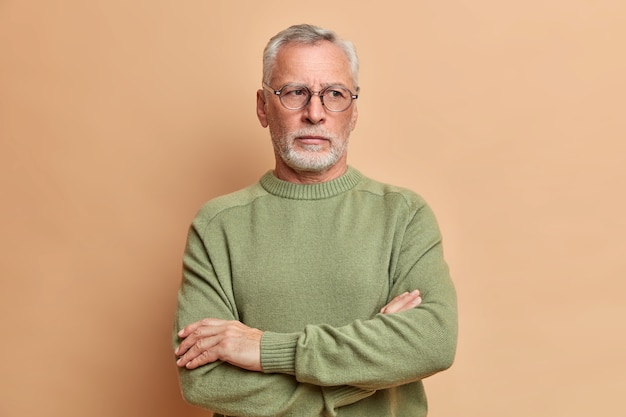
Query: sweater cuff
point(345, 395)
point(278, 352)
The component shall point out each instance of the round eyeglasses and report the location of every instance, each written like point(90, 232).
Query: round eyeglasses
point(296, 96)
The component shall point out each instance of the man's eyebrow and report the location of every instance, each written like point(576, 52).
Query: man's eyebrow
point(331, 84)
point(324, 85)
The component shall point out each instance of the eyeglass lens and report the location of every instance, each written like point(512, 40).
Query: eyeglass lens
point(335, 98)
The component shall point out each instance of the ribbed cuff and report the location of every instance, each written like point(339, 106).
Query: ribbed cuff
point(346, 395)
point(278, 352)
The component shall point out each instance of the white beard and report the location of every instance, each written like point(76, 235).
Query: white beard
point(310, 158)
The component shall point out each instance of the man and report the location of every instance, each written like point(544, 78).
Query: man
point(316, 291)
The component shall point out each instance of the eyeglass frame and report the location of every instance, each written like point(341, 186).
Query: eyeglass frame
point(320, 94)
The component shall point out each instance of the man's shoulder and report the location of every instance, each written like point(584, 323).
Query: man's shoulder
point(391, 191)
point(226, 202)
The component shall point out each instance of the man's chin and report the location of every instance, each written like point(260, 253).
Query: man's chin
point(312, 168)
point(299, 164)
point(310, 158)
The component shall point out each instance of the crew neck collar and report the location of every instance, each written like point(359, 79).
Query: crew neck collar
point(316, 191)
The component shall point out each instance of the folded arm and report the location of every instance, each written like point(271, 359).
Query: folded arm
point(209, 380)
point(386, 350)
point(210, 340)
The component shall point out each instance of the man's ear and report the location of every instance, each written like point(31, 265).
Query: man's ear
point(260, 107)
point(354, 117)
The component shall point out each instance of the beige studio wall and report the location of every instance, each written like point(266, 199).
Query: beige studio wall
point(119, 118)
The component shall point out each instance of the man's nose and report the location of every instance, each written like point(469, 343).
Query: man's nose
point(314, 112)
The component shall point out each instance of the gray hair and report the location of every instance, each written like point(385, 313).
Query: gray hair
point(310, 35)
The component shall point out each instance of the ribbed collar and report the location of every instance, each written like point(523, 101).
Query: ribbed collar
point(317, 191)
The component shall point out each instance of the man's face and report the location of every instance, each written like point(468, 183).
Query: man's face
point(311, 139)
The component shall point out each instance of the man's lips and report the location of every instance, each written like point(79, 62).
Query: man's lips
point(312, 140)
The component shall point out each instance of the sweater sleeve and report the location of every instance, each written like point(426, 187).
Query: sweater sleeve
point(227, 389)
point(386, 350)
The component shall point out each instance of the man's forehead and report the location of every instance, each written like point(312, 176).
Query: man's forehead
point(322, 61)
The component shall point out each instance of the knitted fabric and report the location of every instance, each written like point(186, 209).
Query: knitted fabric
point(312, 265)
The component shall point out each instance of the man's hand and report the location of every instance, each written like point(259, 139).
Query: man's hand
point(209, 340)
point(231, 341)
point(402, 302)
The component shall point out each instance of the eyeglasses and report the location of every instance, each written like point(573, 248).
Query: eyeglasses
point(295, 96)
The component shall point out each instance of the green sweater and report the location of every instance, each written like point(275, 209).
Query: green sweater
point(311, 265)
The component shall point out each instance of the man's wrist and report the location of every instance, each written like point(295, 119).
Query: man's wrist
point(278, 352)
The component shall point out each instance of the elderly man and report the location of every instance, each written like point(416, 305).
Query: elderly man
point(316, 291)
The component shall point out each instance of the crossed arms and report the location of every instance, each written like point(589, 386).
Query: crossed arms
point(231, 341)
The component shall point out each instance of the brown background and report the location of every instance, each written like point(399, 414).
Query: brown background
point(119, 118)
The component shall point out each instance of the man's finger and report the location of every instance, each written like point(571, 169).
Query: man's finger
point(197, 356)
point(402, 302)
point(194, 332)
point(192, 327)
point(389, 307)
point(199, 351)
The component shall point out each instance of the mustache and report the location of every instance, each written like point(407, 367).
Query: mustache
point(312, 132)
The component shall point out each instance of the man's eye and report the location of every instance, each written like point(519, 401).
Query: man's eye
point(335, 93)
point(296, 92)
